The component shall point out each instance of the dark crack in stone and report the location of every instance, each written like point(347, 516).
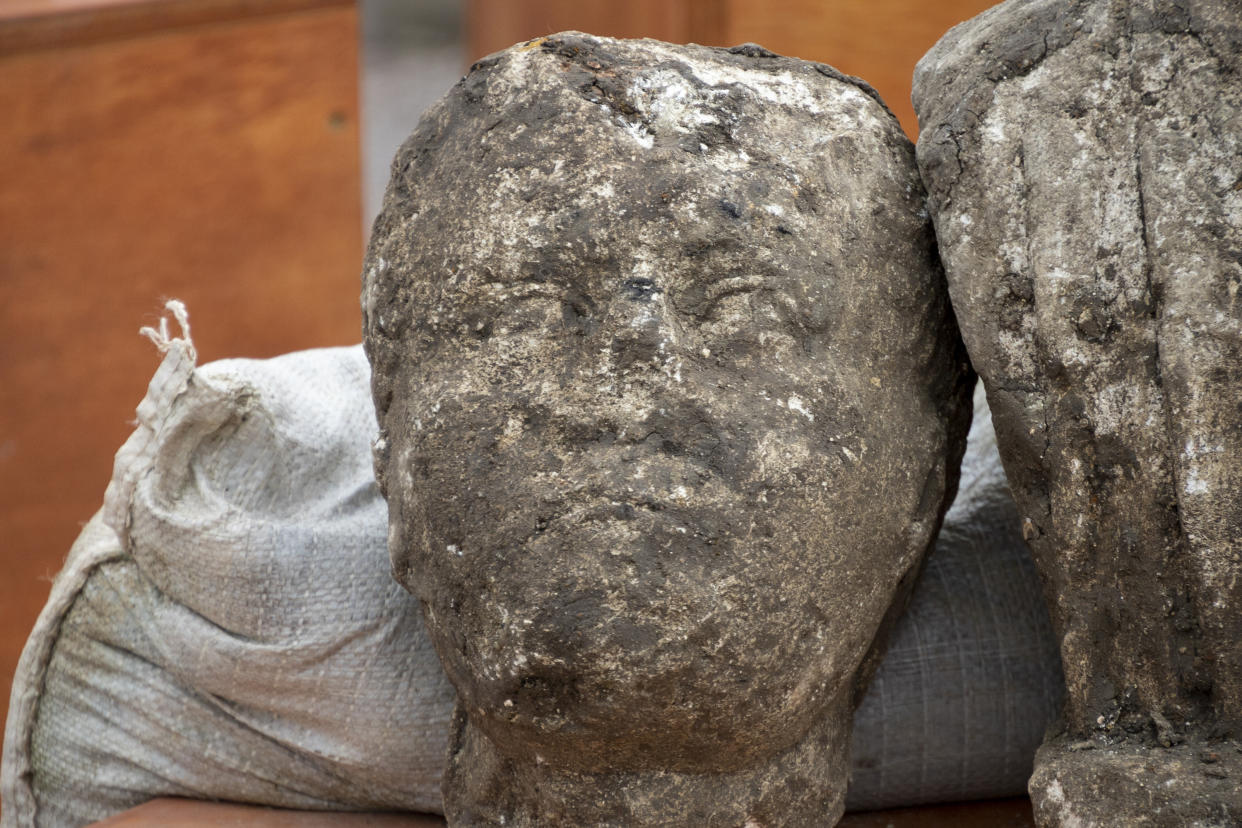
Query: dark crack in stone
point(671, 405)
point(1084, 168)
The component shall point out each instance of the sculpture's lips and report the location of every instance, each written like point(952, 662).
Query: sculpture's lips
point(626, 491)
point(622, 507)
point(682, 509)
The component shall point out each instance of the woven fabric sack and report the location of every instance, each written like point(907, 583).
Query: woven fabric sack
point(232, 630)
point(228, 627)
point(972, 675)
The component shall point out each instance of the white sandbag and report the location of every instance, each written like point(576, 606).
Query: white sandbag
point(233, 632)
point(972, 675)
point(236, 633)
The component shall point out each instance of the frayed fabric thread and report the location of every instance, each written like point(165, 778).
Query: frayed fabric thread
point(161, 336)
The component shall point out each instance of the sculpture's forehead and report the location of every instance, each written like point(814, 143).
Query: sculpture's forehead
point(626, 132)
point(663, 221)
point(655, 93)
point(679, 167)
point(586, 213)
point(663, 216)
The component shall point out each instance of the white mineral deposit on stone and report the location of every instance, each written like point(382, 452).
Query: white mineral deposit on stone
point(795, 404)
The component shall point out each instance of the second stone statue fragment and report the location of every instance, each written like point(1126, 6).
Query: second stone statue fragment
point(1084, 168)
point(671, 406)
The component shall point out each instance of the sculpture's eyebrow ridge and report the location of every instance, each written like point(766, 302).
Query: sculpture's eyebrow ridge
point(523, 287)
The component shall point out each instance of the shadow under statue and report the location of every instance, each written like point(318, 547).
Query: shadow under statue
point(671, 405)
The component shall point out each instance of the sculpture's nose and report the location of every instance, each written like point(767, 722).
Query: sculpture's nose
point(646, 330)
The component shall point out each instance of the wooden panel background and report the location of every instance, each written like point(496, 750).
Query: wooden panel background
point(880, 40)
point(57, 24)
point(492, 25)
point(208, 150)
point(215, 162)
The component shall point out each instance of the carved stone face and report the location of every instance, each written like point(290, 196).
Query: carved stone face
point(657, 366)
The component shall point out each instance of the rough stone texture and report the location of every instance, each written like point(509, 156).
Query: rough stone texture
point(1084, 168)
point(671, 403)
point(1110, 782)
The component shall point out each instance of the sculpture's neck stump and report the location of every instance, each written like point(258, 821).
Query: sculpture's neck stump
point(802, 785)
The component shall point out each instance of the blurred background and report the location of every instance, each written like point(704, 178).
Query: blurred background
point(232, 153)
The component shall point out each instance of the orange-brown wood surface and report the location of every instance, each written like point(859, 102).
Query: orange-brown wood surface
point(997, 813)
point(38, 24)
point(180, 813)
point(185, 813)
point(216, 163)
point(880, 40)
point(496, 24)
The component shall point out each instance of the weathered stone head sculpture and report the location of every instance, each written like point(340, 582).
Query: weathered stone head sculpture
point(671, 402)
point(1084, 162)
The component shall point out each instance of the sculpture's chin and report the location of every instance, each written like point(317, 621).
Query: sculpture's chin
point(590, 677)
point(489, 782)
point(640, 634)
point(687, 723)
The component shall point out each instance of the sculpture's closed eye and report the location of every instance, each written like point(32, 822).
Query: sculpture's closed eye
point(725, 288)
point(745, 304)
point(523, 306)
